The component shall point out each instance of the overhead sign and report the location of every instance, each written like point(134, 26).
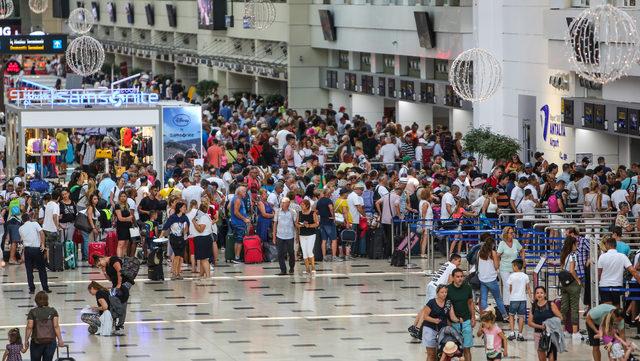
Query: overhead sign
point(32, 98)
point(12, 67)
point(552, 130)
point(33, 44)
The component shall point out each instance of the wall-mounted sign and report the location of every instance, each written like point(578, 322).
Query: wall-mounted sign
point(10, 27)
point(12, 67)
point(552, 129)
point(33, 44)
point(30, 98)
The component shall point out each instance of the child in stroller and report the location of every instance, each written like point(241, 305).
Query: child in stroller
point(449, 344)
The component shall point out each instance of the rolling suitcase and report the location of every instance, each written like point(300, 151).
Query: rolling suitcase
point(317, 248)
point(253, 249)
point(97, 248)
point(376, 250)
point(68, 358)
point(111, 241)
point(56, 257)
point(156, 273)
point(229, 247)
point(69, 254)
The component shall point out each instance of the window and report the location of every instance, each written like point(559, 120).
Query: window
point(567, 111)
point(332, 79)
point(382, 87)
point(451, 98)
point(343, 60)
point(392, 88)
point(389, 64)
point(441, 69)
point(367, 84)
point(413, 67)
point(406, 90)
point(365, 61)
point(350, 81)
point(427, 93)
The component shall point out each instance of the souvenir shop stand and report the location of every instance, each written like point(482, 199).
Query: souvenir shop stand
point(39, 110)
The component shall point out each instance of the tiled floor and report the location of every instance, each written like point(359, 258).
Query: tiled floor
point(356, 310)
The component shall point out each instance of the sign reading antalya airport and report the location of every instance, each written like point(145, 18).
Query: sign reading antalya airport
point(31, 98)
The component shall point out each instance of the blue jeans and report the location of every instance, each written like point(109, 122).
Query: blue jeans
point(360, 248)
point(85, 245)
point(494, 288)
point(42, 352)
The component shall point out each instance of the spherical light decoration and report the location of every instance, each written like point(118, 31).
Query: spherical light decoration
point(602, 43)
point(6, 8)
point(475, 75)
point(38, 6)
point(85, 55)
point(80, 21)
point(259, 14)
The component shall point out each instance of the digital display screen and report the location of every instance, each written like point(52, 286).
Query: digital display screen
point(33, 44)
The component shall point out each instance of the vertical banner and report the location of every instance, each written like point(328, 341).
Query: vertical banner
point(182, 130)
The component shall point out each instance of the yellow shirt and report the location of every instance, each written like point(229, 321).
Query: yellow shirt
point(63, 140)
point(166, 192)
point(343, 207)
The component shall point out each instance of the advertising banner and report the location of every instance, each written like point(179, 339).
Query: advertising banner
point(182, 130)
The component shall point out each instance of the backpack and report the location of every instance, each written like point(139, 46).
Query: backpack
point(472, 255)
point(74, 193)
point(552, 203)
point(36, 200)
point(14, 207)
point(105, 217)
point(130, 268)
point(376, 194)
point(45, 332)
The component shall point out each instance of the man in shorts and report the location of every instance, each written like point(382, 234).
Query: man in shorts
point(328, 232)
point(461, 296)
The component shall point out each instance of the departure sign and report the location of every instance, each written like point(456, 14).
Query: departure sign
point(12, 67)
point(33, 44)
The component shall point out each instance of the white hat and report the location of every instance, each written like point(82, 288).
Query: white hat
point(404, 180)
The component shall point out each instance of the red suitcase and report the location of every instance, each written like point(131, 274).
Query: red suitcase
point(98, 248)
point(112, 243)
point(253, 249)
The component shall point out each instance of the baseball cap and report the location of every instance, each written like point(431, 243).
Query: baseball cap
point(538, 154)
point(463, 173)
point(528, 165)
point(343, 191)
point(586, 160)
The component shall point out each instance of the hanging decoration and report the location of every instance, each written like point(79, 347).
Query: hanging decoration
point(80, 21)
point(38, 6)
point(475, 75)
point(6, 8)
point(602, 43)
point(85, 55)
point(258, 14)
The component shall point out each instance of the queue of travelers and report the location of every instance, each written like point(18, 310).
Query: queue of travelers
point(302, 182)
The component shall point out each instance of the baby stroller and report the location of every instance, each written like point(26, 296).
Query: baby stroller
point(446, 334)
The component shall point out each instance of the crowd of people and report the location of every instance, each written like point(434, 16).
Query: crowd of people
point(304, 182)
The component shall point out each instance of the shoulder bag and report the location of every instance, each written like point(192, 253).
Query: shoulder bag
point(565, 277)
point(82, 222)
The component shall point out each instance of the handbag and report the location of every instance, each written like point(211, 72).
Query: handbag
point(134, 232)
point(545, 342)
point(565, 277)
point(82, 222)
point(106, 324)
point(339, 217)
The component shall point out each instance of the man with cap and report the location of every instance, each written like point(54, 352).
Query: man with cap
point(407, 162)
point(541, 163)
point(528, 171)
point(585, 162)
point(356, 208)
point(463, 184)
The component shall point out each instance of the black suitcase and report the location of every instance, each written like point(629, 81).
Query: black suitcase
point(317, 248)
point(229, 247)
point(375, 246)
point(56, 256)
point(68, 358)
point(156, 273)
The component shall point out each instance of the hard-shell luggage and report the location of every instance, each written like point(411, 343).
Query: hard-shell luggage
point(270, 252)
point(97, 248)
point(253, 249)
point(56, 256)
point(69, 254)
point(111, 240)
point(155, 257)
point(376, 249)
point(415, 247)
point(229, 247)
point(156, 273)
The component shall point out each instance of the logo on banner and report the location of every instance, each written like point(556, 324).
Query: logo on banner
point(181, 120)
point(552, 129)
point(29, 98)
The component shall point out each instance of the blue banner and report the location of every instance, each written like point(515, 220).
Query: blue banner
point(181, 130)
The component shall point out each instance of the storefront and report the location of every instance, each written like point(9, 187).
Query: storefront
point(34, 114)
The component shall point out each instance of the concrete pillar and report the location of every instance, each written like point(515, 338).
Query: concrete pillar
point(401, 67)
point(377, 65)
point(354, 60)
point(304, 62)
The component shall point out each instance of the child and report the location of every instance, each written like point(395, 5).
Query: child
point(613, 343)
point(518, 290)
point(150, 230)
point(12, 353)
point(494, 338)
point(528, 209)
point(451, 352)
point(460, 214)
